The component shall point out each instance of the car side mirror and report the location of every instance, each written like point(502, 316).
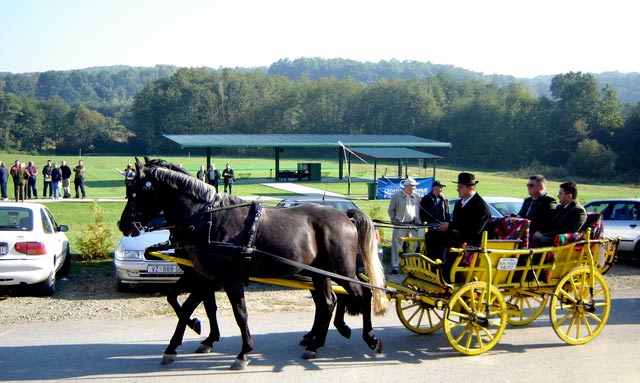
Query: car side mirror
point(63, 228)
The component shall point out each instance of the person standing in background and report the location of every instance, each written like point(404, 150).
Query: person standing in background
point(46, 175)
point(4, 177)
point(56, 181)
point(66, 176)
point(32, 191)
point(213, 176)
point(20, 178)
point(78, 179)
point(202, 174)
point(229, 178)
point(403, 210)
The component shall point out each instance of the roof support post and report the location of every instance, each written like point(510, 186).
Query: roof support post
point(340, 164)
point(208, 158)
point(278, 150)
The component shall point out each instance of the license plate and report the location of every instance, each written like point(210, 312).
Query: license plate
point(163, 269)
point(3, 249)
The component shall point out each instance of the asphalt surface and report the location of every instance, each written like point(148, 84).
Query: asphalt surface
point(116, 351)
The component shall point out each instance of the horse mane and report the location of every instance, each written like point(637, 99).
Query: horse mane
point(199, 191)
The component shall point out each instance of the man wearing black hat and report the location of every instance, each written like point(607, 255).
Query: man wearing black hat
point(434, 207)
point(471, 216)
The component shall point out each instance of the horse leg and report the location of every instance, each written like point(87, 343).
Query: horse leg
point(323, 297)
point(338, 320)
point(172, 299)
point(235, 293)
point(209, 300)
point(317, 325)
point(189, 306)
point(367, 328)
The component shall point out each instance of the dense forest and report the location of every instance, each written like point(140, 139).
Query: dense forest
point(568, 122)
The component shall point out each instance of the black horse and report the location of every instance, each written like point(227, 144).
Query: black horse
point(229, 240)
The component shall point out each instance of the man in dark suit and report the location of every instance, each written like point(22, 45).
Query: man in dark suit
point(470, 217)
point(569, 216)
point(540, 207)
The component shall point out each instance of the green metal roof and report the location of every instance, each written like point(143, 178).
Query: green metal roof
point(302, 140)
point(394, 153)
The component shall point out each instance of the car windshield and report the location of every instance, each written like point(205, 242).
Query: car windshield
point(15, 219)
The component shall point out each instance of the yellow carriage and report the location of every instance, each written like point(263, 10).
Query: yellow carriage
point(498, 283)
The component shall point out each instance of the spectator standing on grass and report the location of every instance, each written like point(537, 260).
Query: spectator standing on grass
point(4, 177)
point(213, 176)
point(229, 178)
point(20, 177)
point(46, 175)
point(403, 210)
point(202, 174)
point(56, 181)
point(78, 179)
point(66, 176)
point(32, 191)
point(129, 174)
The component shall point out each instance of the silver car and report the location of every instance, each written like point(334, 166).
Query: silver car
point(499, 206)
point(621, 217)
point(133, 268)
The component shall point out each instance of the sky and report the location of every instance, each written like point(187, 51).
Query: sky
point(521, 38)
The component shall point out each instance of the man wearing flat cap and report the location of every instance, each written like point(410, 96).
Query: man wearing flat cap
point(434, 207)
point(470, 217)
point(403, 210)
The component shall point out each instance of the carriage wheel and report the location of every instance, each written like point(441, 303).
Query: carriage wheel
point(419, 317)
point(523, 307)
point(578, 310)
point(475, 323)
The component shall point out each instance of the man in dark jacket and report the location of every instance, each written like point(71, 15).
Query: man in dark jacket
point(66, 176)
point(434, 207)
point(540, 207)
point(569, 216)
point(471, 216)
point(4, 177)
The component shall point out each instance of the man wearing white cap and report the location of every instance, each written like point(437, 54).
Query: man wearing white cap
point(403, 209)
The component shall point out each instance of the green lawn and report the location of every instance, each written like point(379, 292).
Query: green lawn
point(103, 181)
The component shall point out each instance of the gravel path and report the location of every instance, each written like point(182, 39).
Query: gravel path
point(90, 293)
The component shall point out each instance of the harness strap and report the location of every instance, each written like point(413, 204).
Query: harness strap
point(254, 227)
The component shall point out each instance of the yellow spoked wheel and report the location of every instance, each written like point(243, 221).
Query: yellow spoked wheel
point(523, 307)
point(475, 321)
point(418, 316)
point(580, 307)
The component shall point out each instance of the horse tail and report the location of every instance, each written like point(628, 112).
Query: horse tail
point(372, 264)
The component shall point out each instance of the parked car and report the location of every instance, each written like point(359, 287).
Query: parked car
point(621, 218)
point(499, 206)
point(341, 204)
point(34, 250)
point(133, 268)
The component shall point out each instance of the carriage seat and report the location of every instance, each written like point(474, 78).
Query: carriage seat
point(594, 222)
point(513, 230)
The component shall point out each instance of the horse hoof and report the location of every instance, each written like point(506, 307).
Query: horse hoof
point(168, 359)
point(203, 349)
point(239, 365)
point(308, 354)
point(305, 341)
point(195, 325)
point(344, 330)
point(378, 347)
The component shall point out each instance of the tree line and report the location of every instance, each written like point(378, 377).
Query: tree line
point(580, 125)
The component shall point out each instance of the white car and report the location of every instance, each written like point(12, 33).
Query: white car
point(133, 268)
point(621, 217)
point(33, 248)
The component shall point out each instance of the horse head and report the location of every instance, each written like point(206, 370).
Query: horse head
point(142, 204)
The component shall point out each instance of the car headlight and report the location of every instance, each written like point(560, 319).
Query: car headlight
point(129, 255)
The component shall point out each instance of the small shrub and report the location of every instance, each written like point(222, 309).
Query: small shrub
point(95, 242)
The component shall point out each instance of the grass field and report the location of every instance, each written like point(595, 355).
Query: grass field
point(103, 181)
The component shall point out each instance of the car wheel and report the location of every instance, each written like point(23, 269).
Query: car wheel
point(123, 287)
point(66, 265)
point(636, 252)
point(47, 287)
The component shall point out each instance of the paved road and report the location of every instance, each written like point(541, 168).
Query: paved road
point(112, 351)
